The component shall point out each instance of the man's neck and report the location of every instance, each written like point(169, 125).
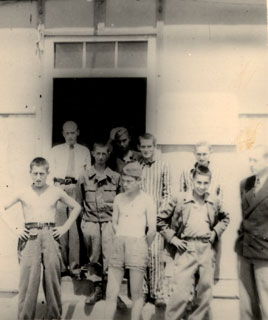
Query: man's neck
point(123, 153)
point(198, 198)
point(39, 190)
point(100, 168)
point(133, 194)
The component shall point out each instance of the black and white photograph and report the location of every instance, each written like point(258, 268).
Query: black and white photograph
point(134, 159)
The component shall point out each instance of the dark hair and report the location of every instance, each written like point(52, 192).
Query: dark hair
point(102, 145)
point(147, 136)
point(202, 170)
point(39, 162)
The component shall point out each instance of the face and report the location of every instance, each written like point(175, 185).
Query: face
point(101, 155)
point(70, 133)
point(257, 162)
point(202, 155)
point(201, 184)
point(39, 176)
point(123, 142)
point(147, 148)
point(130, 184)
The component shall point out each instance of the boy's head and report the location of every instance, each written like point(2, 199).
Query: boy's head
point(122, 139)
point(100, 153)
point(258, 160)
point(39, 170)
point(70, 132)
point(202, 153)
point(201, 180)
point(147, 145)
point(131, 176)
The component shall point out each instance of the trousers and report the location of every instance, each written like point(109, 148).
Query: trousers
point(253, 288)
point(70, 241)
point(197, 260)
point(98, 238)
point(44, 251)
point(153, 284)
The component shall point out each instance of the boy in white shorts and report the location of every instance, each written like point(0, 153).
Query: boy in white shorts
point(39, 242)
point(133, 212)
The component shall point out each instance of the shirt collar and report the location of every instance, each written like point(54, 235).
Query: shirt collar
point(107, 172)
point(190, 198)
point(145, 162)
point(67, 146)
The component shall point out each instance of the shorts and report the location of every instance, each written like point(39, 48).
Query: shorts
point(129, 253)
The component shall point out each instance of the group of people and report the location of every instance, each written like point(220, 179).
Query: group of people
point(110, 213)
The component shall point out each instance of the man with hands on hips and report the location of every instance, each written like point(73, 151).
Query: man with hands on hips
point(39, 242)
point(191, 224)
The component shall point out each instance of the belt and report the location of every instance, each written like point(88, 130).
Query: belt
point(204, 240)
point(39, 225)
point(66, 180)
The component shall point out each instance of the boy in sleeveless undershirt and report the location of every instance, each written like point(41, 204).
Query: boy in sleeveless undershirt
point(134, 212)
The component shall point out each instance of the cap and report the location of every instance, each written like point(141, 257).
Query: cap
point(132, 169)
point(117, 132)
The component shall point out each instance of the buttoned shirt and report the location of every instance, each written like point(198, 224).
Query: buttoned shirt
point(197, 224)
point(59, 156)
point(99, 191)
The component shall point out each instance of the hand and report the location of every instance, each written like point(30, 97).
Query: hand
point(212, 236)
point(58, 232)
point(181, 245)
point(24, 236)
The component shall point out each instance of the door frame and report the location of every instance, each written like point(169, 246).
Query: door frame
point(45, 112)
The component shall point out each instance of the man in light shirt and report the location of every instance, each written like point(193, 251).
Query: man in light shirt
point(67, 161)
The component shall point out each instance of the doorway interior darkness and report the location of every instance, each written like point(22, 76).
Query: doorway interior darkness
point(98, 105)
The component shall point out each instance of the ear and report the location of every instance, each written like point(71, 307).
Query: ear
point(138, 147)
point(78, 132)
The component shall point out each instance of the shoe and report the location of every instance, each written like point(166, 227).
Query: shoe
point(121, 304)
point(65, 273)
point(94, 297)
point(75, 276)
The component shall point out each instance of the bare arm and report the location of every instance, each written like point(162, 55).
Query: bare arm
point(76, 208)
point(115, 215)
point(151, 221)
point(24, 235)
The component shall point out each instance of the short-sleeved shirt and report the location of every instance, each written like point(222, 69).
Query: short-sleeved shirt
point(99, 191)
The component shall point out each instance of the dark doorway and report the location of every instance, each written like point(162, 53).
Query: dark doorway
point(98, 105)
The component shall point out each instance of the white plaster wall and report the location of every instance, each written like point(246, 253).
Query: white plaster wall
point(20, 84)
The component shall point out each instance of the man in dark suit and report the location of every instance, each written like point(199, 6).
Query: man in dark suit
point(252, 243)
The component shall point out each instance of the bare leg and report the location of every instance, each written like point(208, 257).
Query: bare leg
point(115, 276)
point(136, 282)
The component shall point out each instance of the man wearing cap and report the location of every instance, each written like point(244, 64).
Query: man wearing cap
point(133, 211)
point(67, 161)
point(122, 154)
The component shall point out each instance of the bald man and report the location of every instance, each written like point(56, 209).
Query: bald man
point(252, 243)
point(67, 161)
